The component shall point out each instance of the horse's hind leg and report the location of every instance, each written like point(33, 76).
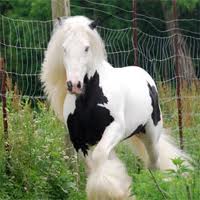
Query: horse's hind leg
point(150, 140)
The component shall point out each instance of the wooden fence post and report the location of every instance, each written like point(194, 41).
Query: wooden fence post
point(60, 8)
point(178, 79)
point(3, 77)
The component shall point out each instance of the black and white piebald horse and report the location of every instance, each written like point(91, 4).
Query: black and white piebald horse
point(103, 106)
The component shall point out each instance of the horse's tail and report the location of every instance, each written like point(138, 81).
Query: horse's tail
point(53, 75)
point(109, 180)
point(167, 150)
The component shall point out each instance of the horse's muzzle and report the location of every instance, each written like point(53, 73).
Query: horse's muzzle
point(76, 88)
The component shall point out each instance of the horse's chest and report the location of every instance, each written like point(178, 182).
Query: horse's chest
point(89, 120)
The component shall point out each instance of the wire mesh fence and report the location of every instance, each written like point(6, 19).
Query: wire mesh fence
point(23, 43)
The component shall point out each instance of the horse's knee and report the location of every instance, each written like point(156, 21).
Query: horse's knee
point(152, 151)
point(153, 156)
point(154, 161)
point(99, 154)
point(113, 134)
point(154, 165)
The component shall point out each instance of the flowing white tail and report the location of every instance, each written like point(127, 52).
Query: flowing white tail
point(167, 149)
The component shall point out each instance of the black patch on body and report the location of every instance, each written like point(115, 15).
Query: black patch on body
point(139, 129)
point(155, 104)
point(89, 120)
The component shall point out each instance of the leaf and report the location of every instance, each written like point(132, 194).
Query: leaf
point(189, 5)
point(177, 161)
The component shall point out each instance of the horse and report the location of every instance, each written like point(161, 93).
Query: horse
point(102, 106)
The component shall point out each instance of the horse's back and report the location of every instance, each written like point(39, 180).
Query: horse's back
point(135, 74)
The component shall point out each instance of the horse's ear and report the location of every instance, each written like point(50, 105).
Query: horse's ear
point(94, 24)
point(59, 20)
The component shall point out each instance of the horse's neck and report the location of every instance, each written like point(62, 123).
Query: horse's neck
point(101, 68)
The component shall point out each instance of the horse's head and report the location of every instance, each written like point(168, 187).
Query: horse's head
point(83, 50)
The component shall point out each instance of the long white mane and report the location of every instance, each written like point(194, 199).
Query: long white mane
point(53, 74)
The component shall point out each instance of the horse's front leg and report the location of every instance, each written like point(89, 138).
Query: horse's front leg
point(108, 178)
point(112, 135)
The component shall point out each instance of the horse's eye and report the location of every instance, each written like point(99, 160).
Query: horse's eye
point(65, 51)
point(86, 49)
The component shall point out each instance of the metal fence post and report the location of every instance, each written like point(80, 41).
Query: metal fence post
point(134, 24)
point(178, 81)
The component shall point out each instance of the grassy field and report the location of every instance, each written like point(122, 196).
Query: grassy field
point(38, 165)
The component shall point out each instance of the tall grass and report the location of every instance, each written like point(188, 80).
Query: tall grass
point(40, 166)
point(190, 98)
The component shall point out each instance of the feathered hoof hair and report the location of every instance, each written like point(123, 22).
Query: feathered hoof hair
point(109, 181)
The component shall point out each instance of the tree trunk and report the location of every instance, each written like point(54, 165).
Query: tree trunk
point(60, 8)
point(186, 70)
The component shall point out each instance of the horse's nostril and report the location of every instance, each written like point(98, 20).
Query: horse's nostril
point(69, 85)
point(79, 85)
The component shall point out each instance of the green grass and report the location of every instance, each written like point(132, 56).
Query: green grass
point(40, 168)
point(38, 165)
point(156, 185)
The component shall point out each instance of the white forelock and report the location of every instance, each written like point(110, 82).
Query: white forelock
point(80, 24)
point(77, 20)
